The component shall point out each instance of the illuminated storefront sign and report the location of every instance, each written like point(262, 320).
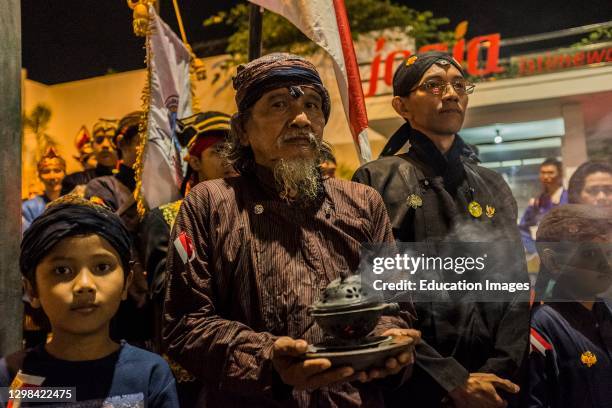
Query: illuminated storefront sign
point(563, 59)
point(479, 55)
point(467, 53)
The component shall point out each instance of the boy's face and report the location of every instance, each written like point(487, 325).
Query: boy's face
point(80, 285)
point(587, 269)
point(51, 174)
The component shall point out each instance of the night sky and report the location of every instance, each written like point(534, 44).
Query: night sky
point(66, 40)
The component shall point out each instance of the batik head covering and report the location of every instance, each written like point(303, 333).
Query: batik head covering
point(104, 127)
point(200, 131)
point(66, 217)
point(411, 70)
point(273, 71)
point(50, 154)
point(83, 139)
point(127, 127)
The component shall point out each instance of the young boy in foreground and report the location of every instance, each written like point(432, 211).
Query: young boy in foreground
point(570, 364)
point(75, 264)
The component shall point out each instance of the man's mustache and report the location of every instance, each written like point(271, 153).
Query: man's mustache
point(289, 137)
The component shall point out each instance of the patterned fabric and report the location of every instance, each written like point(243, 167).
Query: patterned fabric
point(170, 211)
point(275, 71)
point(254, 264)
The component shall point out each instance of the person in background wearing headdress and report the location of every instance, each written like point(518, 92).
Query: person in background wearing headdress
point(203, 134)
point(83, 143)
point(117, 192)
point(470, 352)
point(591, 184)
point(553, 194)
point(570, 363)
point(51, 171)
point(105, 154)
point(251, 254)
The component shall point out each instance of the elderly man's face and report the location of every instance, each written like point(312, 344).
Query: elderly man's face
point(281, 126)
point(441, 114)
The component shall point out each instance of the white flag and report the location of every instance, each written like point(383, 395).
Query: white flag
point(169, 99)
point(325, 22)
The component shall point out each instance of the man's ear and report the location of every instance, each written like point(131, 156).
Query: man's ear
point(400, 106)
point(240, 127)
point(194, 162)
point(548, 257)
point(128, 282)
point(31, 292)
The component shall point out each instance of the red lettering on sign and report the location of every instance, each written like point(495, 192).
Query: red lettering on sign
point(594, 57)
point(579, 59)
point(492, 45)
point(609, 55)
point(390, 64)
point(434, 47)
point(380, 43)
point(459, 50)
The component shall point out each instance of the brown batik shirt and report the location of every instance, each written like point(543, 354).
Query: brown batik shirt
point(243, 269)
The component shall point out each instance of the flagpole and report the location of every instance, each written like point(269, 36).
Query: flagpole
point(11, 308)
point(255, 23)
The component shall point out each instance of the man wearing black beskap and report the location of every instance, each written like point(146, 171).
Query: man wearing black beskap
point(472, 352)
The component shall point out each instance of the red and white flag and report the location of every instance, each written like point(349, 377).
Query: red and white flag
point(325, 22)
point(184, 247)
point(538, 343)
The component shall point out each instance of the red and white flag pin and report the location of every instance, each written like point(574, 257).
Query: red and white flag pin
point(538, 343)
point(184, 247)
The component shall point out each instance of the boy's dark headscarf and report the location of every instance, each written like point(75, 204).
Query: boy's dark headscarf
point(273, 71)
point(66, 217)
point(406, 77)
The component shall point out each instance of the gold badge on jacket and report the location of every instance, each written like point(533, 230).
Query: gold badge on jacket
point(490, 211)
point(475, 209)
point(588, 359)
point(414, 201)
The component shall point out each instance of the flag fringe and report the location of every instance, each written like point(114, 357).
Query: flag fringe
point(145, 98)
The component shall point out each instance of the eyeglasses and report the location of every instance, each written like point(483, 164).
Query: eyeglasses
point(594, 190)
point(438, 87)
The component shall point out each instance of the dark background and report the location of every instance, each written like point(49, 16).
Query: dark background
point(67, 40)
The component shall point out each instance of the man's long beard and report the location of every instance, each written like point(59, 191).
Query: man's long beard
point(299, 178)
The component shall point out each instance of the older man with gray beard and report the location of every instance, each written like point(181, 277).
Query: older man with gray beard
point(252, 253)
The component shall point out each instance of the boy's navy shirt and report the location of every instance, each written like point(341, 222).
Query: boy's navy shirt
point(129, 377)
point(561, 374)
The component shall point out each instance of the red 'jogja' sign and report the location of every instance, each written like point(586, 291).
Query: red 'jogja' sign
point(490, 43)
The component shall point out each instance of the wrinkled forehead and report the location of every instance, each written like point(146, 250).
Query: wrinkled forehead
point(599, 177)
point(294, 91)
